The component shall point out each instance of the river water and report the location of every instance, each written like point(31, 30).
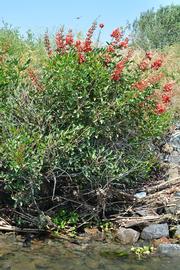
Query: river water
point(63, 255)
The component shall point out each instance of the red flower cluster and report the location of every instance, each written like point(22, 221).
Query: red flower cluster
point(116, 34)
point(120, 66)
point(160, 108)
point(69, 38)
point(60, 43)
point(81, 58)
point(118, 70)
point(107, 58)
point(168, 87)
point(149, 55)
point(34, 79)
point(47, 44)
point(157, 64)
point(155, 78)
point(101, 25)
point(91, 32)
point(144, 65)
point(124, 44)
point(110, 48)
point(84, 47)
point(141, 85)
point(166, 99)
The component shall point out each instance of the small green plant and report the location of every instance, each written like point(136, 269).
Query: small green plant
point(66, 221)
point(106, 226)
point(142, 251)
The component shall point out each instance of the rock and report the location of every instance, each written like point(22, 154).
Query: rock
point(169, 249)
point(167, 148)
point(177, 232)
point(174, 206)
point(127, 236)
point(173, 171)
point(93, 233)
point(175, 158)
point(140, 195)
point(175, 140)
point(162, 240)
point(155, 231)
point(177, 194)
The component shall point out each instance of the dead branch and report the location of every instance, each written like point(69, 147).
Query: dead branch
point(164, 185)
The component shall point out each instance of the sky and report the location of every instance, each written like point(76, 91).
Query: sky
point(40, 15)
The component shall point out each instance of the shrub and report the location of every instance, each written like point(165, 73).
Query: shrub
point(83, 122)
point(157, 29)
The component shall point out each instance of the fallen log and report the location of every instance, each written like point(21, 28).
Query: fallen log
point(128, 222)
point(163, 185)
point(9, 228)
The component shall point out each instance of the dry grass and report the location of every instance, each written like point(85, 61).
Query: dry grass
point(173, 68)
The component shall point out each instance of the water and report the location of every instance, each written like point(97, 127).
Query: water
point(63, 255)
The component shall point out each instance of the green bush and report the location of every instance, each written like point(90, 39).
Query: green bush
point(157, 29)
point(83, 122)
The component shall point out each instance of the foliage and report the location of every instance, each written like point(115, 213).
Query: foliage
point(82, 122)
point(142, 251)
point(66, 220)
point(157, 29)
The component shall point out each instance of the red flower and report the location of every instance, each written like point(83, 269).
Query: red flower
point(59, 41)
point(87, 46)
point(110, 48)
point(115, 76)
point(149, 55)
point(120, 65)
point(101, 25)
point(124, 43)
point(116, 34)
point(157, 64)
point(35, 80)
point(81, 58)
point(47, 44)
point(107, 58)
point(166, 99)
point(160, 108)
point(155, 78)
point(69, 39)
point(91, 31)
point(142, 85)
point(144, 65)
point(168, 87)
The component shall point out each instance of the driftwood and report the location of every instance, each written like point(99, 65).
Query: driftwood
point(135, 221)
point(9, 228)
point(164, 185)
point(143, 211)
point(5, 226)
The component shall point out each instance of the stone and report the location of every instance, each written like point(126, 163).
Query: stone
point(175, 140)
point(173, 206)
point(127, 236)
point(169, 249)
point(167, 148)
point(174, 158)
point(173, 171)
point(177, 194)
point(177, 232)
point(93, 233)
point(162, 240)
point(140, 195)
point(155, 231)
